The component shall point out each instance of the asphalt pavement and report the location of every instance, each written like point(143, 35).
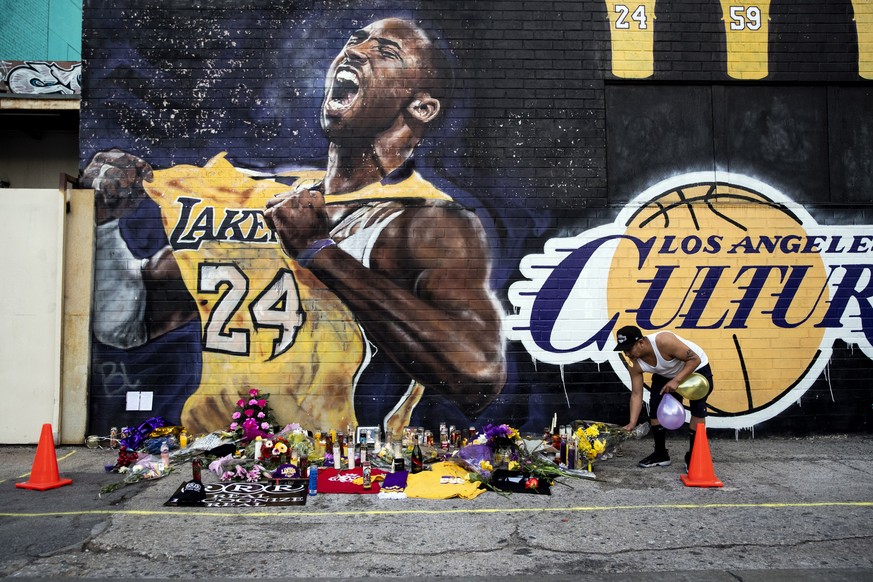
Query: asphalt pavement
point(790, 509)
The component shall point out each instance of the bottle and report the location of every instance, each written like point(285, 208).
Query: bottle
point(571, 452)
point(556, 438)
point(196, 466)
point(366, 472)
point(364, 446)
point(183, 439)
point(417, 460)
point(641, 430)
point(165, 454)
point(113, 438)
point(389, 442)
point(302, 464)
point(318, 442)
point(350, 449)
point(399, 463)
point(327, 445)
point(337, 455)
point(313, 480)
point(556, 444)
point(341, 439)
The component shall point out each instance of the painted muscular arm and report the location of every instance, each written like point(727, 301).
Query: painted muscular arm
point(128, 319)
point(672, 347)
point(425, 300)
point(169, 304)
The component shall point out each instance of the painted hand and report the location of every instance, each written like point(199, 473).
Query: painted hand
point(298, 219)
point(117, 178)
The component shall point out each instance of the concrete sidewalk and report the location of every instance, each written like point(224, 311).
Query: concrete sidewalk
point(791, 509)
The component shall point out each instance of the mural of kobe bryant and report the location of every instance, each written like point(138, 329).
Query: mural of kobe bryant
point(357, 294)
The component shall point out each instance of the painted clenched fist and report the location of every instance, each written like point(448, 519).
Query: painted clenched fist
point(298, 219)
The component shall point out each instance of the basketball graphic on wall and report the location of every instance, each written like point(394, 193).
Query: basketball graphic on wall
point(732, 271)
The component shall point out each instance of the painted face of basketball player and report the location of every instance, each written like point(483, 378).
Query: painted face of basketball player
point(373, 79)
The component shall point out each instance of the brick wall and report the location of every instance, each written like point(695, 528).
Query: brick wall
point(565, 113)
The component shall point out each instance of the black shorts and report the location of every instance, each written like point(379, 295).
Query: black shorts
point(697, 407)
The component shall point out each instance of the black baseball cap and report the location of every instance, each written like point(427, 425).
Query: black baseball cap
point(191, 493)
point(627, 337)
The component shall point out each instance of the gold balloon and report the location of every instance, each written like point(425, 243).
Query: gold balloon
point(694, 387)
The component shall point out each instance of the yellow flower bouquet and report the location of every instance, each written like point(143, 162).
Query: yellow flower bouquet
point(596, 439)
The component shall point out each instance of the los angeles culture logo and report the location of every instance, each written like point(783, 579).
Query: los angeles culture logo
point(724, 260)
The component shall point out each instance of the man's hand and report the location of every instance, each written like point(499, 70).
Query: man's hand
point(298, 219)
point(629, 427)
point(670, 387)
point(117, 179)
point(671, 347)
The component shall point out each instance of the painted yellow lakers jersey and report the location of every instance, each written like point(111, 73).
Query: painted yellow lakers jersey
point(266, 322)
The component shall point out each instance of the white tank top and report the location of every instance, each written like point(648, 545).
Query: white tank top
point(358, 232)
point(670, 368)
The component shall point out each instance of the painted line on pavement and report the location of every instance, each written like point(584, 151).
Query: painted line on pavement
point(73, 452)
point(283, 514)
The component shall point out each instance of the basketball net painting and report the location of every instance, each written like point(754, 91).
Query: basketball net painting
point(721, 259)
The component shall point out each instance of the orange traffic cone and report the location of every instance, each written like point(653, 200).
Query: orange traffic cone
point(700, 471)
point(44, 474)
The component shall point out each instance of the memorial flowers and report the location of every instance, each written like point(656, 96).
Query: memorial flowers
point(252, 417)
point(594, 439)
point(228, 468)
point(299, 442)
point(274, 450)
point(241, 473)
point(505, 444)
point(500, 447)
point(501, 435)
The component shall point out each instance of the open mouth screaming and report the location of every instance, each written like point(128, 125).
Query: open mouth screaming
point(344, 91)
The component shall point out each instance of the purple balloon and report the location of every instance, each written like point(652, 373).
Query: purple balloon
point(671, 413)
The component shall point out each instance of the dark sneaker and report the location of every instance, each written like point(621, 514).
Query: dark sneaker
point(656, 459)
point(687, 460)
